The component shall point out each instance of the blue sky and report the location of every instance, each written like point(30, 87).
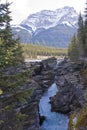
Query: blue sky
point(22, 8)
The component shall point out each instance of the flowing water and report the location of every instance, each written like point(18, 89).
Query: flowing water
point(53, 120)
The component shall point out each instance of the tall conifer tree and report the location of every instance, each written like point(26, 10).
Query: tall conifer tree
point(12, 53)
point(80, 36)
point(73, 49)
point(85, 29)
point(13, 76)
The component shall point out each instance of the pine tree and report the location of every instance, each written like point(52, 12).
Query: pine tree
point(73, 49)
point(13, 75)
point(9, 45)
point(80, 36)
point(85, 30)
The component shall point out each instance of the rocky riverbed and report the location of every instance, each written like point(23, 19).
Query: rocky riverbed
point(71, 78)
point(42, 78)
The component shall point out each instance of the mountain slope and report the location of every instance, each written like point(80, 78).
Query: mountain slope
point(58, 36)
point(24, 34)
point(50, 28)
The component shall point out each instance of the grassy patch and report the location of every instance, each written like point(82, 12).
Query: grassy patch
point(78, 120)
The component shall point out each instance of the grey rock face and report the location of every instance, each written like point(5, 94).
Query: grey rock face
point(71, 95)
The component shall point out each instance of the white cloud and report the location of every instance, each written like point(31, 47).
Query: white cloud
point(22, 8)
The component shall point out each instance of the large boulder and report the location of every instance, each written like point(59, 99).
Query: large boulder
point(49, 63)
point(65, 100)
point(70, 95)
point(38, 66)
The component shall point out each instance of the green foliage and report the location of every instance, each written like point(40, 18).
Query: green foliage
point(14, 76)
point(80, 23)
point(84, 77)
point(78, 120)
point(19, 116)
point(81, 39)
point(72, 123)
point(32, 51)
point(10, 49)
point(73, 49)
point(1, 92)
point(23, 96)
point(82, 35)
point(1, 122)
point(13, 82)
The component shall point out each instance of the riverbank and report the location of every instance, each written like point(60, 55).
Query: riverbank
point(40, 58)
point(71, 99)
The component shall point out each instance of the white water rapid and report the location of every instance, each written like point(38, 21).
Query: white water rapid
point(53, 120)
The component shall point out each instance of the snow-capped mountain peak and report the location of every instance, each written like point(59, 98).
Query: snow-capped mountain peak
point(47, 18)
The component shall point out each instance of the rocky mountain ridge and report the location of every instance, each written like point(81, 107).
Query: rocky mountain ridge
point(47, 18)
point(50, 28)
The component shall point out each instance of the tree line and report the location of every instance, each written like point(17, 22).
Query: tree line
point(34, 50)
point(78, 45)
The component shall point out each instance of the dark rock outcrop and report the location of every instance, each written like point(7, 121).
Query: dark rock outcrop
point(70, 96)
point(49, 63)
point(44, 72)
point(65, 100)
